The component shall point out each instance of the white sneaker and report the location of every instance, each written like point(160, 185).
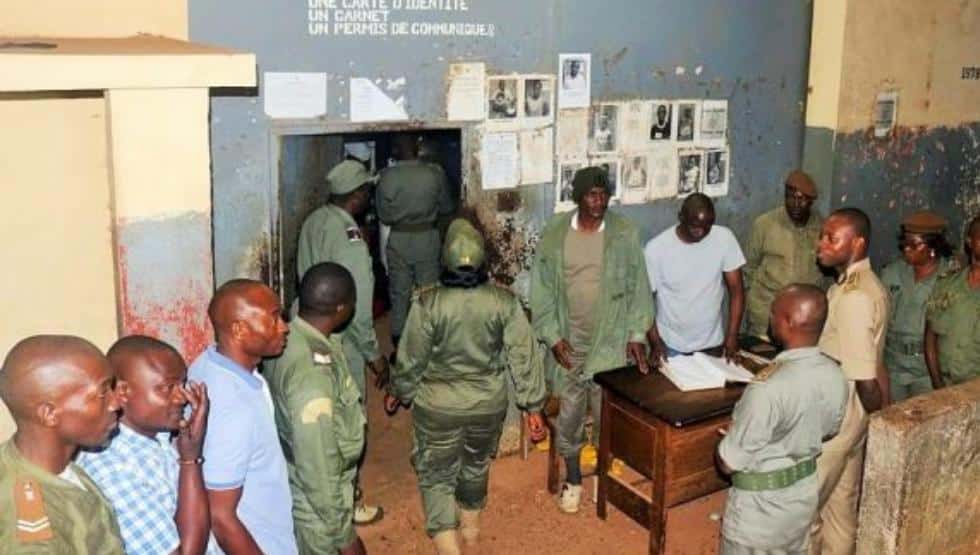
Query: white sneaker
point(367, 514)
point(570, 498)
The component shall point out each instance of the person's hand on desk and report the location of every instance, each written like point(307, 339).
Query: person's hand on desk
point(732, 349)
point(658, 351)
point(563, 353)
point(637, 352)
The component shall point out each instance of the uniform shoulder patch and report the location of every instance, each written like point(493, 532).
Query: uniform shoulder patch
point(322, 358)
point(33, 524)
point(767, 372)
point(315, 408)
point(852, 281)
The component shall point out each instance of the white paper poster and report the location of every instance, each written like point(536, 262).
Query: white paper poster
point(716, 172)
point(502, 98)
point(714, 123)
point(663, 176)
point(538, 99)
point(886, 113)
point(295, 95)
point(634, 126)
point(573, 133)
point(499, 161)
point(575, 80)
point(369, 103)
point(690, 171)
point(661, 118)
point(563, 185)
point(604, 129)
point(537, 155)
point(635, 179)
point(612, 167)
point(465, 98)
point(687, 114)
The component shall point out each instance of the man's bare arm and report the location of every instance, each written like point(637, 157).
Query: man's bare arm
point(231, 534)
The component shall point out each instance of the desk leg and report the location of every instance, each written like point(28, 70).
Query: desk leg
point(605, 446)
point(658, 509)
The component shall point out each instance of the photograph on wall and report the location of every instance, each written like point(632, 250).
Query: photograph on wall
point(573, 134)
point(686, 126)
point(886, 112)
point(539, 94)
point(689, 171)
point(502, 98)
point(574, 90)
point(714, 123)
point(563, 185)
point(660, 124)
point(634, 120)
point(602, 129)
point(716, 172)
point(611, 167)
point(635, 179)
point(661, 159)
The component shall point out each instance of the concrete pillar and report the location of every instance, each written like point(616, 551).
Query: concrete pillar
point(159, 161)
point(922, 476)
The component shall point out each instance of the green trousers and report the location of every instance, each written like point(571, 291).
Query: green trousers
point(451, 454)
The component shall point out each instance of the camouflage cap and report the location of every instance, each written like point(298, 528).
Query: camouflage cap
point(463, 247)
point(802, 182)
point(924, 221)
point(346, 177)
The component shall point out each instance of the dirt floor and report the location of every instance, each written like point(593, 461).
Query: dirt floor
point(521, 517)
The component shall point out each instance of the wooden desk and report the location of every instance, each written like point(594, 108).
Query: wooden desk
point(667, 436)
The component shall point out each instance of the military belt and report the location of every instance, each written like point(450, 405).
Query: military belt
point(426, 226)
point(774, 479)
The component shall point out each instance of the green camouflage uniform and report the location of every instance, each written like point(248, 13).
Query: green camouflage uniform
point(907, 298)
point(953, 311)
point(459, 347)
point(44, 513)
point(779, 253)
point(411, 196)
point(321, 428)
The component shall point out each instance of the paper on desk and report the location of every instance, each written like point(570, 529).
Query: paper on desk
point(701, 371)
point(294, 95)
point(369, 103)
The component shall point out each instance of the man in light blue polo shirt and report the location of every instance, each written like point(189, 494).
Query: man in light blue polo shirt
point(244, 468)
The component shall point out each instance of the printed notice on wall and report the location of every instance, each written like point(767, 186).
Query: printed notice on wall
point(537, 155)
point(393, 18)
point(369, 103)
point(500, 161)
point(465, 98)
point(294, 95)
point(714, 123)
point(886, 113)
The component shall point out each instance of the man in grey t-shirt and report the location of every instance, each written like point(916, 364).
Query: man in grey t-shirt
point(688, 265)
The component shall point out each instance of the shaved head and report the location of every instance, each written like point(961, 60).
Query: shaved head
point(45, 368)
point(128, 351)
point(696, 204)
point(232, 302)
point(325, 286)
point(696, 217)
point(798, 314)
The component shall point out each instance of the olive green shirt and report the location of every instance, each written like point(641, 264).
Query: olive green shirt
point(459, 347)
point(321, 428)
point(330, 234)
point(413, 192)
point(779, 253)
point(953, 311)
point(68, 519)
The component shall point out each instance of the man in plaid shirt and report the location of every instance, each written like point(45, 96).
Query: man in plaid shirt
point(154, 485)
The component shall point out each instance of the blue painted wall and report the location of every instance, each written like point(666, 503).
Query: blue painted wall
point(753, 52)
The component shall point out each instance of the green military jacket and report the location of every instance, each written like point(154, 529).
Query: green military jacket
point(321, 428)
point(779, 253)
point(43, 513)
point(330, 234)
point(412, 192)
point(458, 348)
point(953, 311)
point(625, 304)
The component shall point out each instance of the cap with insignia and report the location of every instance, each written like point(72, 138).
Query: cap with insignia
point(802, 182)
point(924, 221)
point(347, 176)
point(464, 247)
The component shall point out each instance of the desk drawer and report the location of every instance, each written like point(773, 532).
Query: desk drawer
point(691, 470)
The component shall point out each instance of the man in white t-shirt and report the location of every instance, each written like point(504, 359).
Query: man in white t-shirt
point(691, 266)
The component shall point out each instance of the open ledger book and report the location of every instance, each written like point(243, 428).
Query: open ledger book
point(701, 371)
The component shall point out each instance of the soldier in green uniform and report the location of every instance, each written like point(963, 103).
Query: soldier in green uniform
point(318, 413)
point(60, 393)
point(910, 280)
point(780, 250)
point(952, 337)
point(410, 198)
point(464, 340)
point(777, 429)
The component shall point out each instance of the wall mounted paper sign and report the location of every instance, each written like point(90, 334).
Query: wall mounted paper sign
point(537, 155)
point(563, 185)
point(466, 98)
point(499, 161)
point(634, 122)
point(369, 103)
point(574, 80)
point(573, 133)
point(886, 113)
point(661, 165)
point(714, 123)
point(690, 171)
point(661, 128)
point(294, 95)
point(636, 182)
point(612, 166)
point(716, 171)
point(687, 114)
point(537, 93)
point(604, 129)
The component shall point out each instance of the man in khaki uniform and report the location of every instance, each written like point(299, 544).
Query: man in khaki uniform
point(780, 250)
point(854, 335)
point(60, 393)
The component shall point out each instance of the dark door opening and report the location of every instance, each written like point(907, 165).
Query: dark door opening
point(303, 164)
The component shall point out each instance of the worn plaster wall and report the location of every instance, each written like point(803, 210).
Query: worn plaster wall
point(919, 49)
point(94, 18)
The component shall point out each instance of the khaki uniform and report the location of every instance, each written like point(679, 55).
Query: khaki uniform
point(954, 316)
point(330, 234)
point(321, 428)
point(410, 198)
point(854, 335)
point(779, 253)
point(776, 433)
point(44, 513)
